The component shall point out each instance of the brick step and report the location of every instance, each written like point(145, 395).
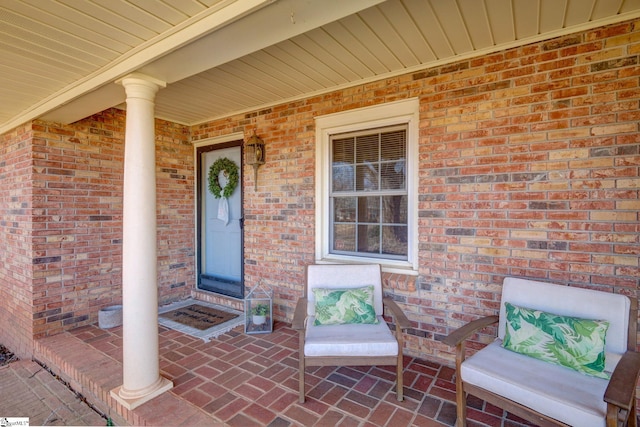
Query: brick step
point(93, 374)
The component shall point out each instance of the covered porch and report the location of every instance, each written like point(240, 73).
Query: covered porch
point(246, 380)
point(523, 159)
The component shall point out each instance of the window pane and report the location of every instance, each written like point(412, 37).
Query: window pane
point(369, 209)
point(342, 179)
point(369, 238)
point(343, 150)
point(393, 175)
point(344, 209)
point(394, 209)
point(344, 237)
point(366, 177)
point(394, 145)
point(367, 148)
point(394, 240)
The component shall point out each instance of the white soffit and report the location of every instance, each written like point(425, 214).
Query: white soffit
point(221, 57)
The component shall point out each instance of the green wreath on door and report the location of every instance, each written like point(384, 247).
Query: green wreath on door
point(230, 170)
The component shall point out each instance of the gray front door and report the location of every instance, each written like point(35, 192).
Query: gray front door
point(220, 235)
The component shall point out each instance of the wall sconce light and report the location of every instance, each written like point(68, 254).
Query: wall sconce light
point(254, 149)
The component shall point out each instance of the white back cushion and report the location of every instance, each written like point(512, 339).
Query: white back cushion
point(570, 301)
point(341, 276)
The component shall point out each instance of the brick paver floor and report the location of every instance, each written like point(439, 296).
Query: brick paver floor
point(252, 380)
point(28, 390)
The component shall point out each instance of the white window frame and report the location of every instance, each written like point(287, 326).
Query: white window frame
point(389, 114)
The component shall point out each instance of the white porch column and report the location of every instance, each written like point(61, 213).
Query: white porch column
point(141, 371)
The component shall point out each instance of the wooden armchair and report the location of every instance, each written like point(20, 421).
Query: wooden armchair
point(545, 393)
point(347, 344)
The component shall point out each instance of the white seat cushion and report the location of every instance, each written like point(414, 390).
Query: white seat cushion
point(350, 340)
point(558, 392)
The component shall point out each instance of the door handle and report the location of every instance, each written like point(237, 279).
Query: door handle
point(241, 222)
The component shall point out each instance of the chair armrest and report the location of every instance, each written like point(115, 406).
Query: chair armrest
point(300, 315)
point(621, 388)
point(398, 315)
point(461, 334)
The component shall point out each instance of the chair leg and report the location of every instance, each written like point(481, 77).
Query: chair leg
point(301, 367)
point(461, 408)
point(613, 420)
point(399, 379)
point(461, 396)
point(301, 385)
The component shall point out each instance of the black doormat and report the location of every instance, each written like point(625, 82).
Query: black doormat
point(198, 316)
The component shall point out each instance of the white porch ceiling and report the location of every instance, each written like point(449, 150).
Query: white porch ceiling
point(59, 59)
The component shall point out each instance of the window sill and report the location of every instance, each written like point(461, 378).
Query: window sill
point(400, 267)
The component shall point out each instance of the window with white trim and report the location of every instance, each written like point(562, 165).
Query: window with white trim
point(366, 185)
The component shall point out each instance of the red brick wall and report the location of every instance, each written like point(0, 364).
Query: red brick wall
point(77, 221)
point(529, 167)
point(529, 162)
point(176, 211)
point(16, 270)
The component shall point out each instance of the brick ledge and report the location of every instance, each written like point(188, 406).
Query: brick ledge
point(94, 374)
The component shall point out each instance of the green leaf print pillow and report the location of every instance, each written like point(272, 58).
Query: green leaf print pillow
point(340, 306)
point(568, 341)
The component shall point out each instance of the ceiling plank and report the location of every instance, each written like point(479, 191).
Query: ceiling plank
point(371, 42)
point(113, 18)
point(501, 20)
point(389, 38)
point(526, 15)
point(342, 32)
point(431, 29)
point(327, 57)
point(450, 18)
point(476, 20)
point(603, 8)
point(165, 12)
point(11, 53)
point(297, 67)
point(46, 45)
point(578, 12)
point(45, 18)
point(258, 78)
point(552, 15)
point(629, 6)
point(188, 7)
point(324, 38)
point(277, 69)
